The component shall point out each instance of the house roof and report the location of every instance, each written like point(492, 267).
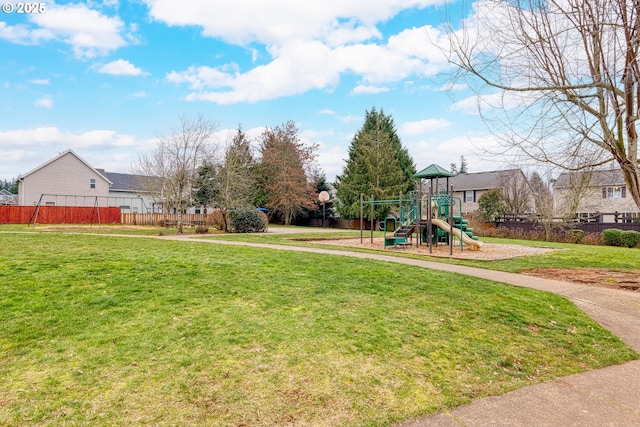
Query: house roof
point(598, 178)
point(124, 182)
point(64, 153)
point(482, 180)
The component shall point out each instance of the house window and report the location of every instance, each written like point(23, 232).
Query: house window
point(469, 196)
point(616, 192)
point(92, 183)
point(49, 203)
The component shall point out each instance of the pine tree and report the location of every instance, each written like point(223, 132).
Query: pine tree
point(378, 165)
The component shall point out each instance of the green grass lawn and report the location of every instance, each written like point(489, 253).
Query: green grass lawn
point(568, 256)
point(112, 330)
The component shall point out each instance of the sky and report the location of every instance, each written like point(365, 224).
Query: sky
point(106, 78)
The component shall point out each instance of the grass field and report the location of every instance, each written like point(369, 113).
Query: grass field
point(570, 255)
point(112, 330)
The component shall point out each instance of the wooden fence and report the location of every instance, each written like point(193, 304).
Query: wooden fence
point(587, 227)
point(59, 215)
point(164, 219)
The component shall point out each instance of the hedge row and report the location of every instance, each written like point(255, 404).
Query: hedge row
point(616, 237)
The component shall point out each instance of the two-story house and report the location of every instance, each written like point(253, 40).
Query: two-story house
point(470, 186)
point(594, 194)
point(68, 180)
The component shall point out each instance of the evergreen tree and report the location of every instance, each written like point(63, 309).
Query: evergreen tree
point(321, 184)
point(205, 190)
point(464, 167)
point(235, 178)
point(378, 165)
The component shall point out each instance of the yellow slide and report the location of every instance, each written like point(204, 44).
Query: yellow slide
point(474, 245)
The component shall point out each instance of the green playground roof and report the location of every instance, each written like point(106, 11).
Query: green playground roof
point(433, 171)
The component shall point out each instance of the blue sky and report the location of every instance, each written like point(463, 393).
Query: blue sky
point(105, 78)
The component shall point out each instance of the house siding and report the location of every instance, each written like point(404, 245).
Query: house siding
point(138, 203)
point(69, 179)
point(594, 202)
point(468, 207)
point(595, 197)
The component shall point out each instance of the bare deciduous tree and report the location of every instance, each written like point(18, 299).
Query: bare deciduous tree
point(173, 165)
point(573, 194)
point(561, 76)
point(516, 192)
point(544, 204)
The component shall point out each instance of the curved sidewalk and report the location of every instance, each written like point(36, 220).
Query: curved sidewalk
point(603, 397)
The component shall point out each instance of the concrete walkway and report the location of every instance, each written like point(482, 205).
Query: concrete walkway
point(603, 397)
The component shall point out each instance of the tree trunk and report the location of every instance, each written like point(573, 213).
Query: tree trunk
point(179, 222)
point(631, 175)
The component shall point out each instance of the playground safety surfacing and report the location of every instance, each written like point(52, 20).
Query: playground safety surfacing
point(489, 251)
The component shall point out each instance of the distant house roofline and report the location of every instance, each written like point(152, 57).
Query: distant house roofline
point(128, 182)
point(599, 177)
point(482, 180)
point(64, 153)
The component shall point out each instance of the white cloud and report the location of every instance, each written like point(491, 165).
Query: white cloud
point(468, 106)
point(106, 149)
point(140, 94)
point(350, 119)
point(497, 100)
point(121, 67)
point(445, 151)
point(368, 90)
point(311, 46)
point(297, 67)
point(88, 31)
point(45, 102)
point(327, 111)
point(331, 160)
point(39, 81)
point(51, 135)
point(275, 22)
point(22, 34)
point(423, 127)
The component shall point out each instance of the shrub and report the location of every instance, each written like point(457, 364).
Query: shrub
point(265, 218)
point(216, 220)
point(612, 237)
point(491, 205)
point(202, 229)
point(592, 239)
point(629, 238)
point(575, 235)
point(247, 220)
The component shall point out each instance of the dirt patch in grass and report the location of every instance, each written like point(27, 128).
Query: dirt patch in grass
point(612, 279)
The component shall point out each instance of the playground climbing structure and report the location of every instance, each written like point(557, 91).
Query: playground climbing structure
point(430, 216)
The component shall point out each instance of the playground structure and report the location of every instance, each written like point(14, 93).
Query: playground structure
point(432, 215)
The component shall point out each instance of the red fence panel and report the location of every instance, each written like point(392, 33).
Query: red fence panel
point(59, 215)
